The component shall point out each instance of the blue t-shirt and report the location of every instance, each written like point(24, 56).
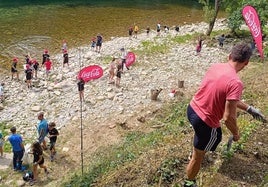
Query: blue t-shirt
point(16, 141)
point(42, 127)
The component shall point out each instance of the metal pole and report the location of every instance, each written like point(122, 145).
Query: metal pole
point(81, 122)
point(82, 160)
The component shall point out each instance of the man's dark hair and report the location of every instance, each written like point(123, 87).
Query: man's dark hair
point(241, 52)
point(13, 129)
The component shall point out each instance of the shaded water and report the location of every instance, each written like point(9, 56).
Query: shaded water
point(31, 26)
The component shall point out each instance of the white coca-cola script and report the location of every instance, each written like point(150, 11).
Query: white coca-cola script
point(91, 74)
point(251, 21)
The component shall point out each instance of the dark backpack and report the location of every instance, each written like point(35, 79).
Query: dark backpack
point(27, 176)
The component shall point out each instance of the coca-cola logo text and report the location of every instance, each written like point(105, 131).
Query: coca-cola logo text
point(250, 19)
point(90, 72)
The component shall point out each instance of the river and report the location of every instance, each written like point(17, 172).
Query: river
point(32, 26)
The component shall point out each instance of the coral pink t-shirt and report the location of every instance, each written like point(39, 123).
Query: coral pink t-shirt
point(219, 84)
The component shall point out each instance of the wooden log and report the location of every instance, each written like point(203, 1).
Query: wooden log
point(180, 84)
point(155, 93)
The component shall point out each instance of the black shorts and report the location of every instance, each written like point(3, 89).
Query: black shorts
point(118, 74)
point(205, 137)
point(28, 77)
point(13, 70)
point(41, 162)
point(52, 145)
point(99, 44)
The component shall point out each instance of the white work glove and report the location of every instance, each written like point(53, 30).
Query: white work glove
point(256, 114)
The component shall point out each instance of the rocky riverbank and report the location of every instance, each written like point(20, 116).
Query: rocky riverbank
point(57, 96)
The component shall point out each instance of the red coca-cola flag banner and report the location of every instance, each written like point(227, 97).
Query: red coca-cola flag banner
point(90, 72)
point(252, 19)
point(130, 59)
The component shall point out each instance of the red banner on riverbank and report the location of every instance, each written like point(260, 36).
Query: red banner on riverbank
point(130, 59)
point(252, 19)
point(90, 72)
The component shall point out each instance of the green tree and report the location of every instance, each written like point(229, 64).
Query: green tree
point(234, 9)
point(211, 13)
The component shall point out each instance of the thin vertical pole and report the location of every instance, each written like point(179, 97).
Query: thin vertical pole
point(81, 122)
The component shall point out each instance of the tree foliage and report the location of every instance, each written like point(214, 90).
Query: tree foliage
point(234, 9)
point(210, 13)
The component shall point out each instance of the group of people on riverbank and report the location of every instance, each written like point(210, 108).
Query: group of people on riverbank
point(32, 66)
point(44, 129)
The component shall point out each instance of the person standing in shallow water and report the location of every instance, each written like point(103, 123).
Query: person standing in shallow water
point(136, 30)
point(130, 32)
point(99, 43)
point(218, 97)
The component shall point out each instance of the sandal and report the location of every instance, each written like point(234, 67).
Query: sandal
point(32, 182)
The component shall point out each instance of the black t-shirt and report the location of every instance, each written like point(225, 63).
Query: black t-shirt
point(28, 73)
point(45, 56)
point(99, 39)
point(36, 155)
point(80, 85)
point(65, 58)
point(53, 131)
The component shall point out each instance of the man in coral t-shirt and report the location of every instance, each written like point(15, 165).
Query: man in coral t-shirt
point(217, 98)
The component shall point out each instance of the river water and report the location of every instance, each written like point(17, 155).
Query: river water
point(31, 26)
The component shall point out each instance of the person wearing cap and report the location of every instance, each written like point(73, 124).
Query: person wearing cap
point(14, 68)
point(17, 148)
point(65, 58)
point(29, 75)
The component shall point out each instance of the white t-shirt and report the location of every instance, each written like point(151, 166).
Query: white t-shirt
point(1, 90)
